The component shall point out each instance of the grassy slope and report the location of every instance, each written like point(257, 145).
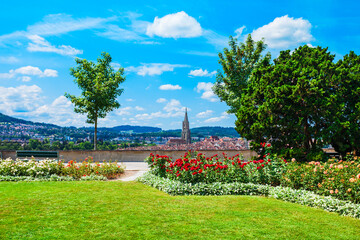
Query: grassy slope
point(130, 210)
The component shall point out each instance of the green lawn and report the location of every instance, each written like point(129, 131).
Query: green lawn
point(130, 210)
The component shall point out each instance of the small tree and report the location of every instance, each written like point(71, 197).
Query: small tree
point(100, 88)
point(237, 62)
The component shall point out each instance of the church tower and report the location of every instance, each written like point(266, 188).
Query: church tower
point(185, 134)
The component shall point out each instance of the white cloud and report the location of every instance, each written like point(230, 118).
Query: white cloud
point(208, 94)
point(116, 33)
point(169, 87)
point(138, 108)
point(50, 73)
point(174, 106)
point(239, 32)
point(19, 99)
point(123, 111)
point(129, 100)
point(284, 32)
point(161, 100)
point(205, 114)
point(26, 79)
point(172, 109)
point(152, 69)
point(201, 73)
point(218, 40)
point(223, 116)
point(199, 53)
point(10, 59)
point(39, 44)
point(176, 25)
point(29, 70)
point(56, 24)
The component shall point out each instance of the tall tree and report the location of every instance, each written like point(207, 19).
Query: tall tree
point(238, 61)
point(346, 127)
point(290, 103)
point(100, 88)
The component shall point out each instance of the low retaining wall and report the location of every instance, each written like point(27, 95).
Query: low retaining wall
point(130, 155)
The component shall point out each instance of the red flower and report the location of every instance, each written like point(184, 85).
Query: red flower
point(194, 173)
point(258, 168)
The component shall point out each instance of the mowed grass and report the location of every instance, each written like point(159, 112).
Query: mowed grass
point(131, 210)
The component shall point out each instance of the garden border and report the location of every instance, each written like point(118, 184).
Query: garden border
point(302, 197)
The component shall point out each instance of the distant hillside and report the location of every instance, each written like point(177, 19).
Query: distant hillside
point(209, 131)
point(46, 129)
point(128, 128)
point(8, 119)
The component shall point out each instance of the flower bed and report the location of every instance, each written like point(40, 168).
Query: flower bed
point(174, 187)
point(340, 179)
point(195, 167)
point(47, 169)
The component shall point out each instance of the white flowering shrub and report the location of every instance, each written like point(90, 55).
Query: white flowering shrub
point(303, 197)
point(9, 167)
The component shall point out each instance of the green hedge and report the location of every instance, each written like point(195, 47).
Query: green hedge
point(303, 197)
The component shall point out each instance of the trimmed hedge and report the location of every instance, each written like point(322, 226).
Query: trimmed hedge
point(302, 197)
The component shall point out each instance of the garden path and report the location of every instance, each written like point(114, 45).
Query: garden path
point(133, 170)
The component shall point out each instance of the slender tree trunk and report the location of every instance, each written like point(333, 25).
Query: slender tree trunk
point(95, 134)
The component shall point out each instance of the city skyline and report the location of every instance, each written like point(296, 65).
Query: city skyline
point(169, 52)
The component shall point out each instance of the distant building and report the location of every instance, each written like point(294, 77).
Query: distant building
point(175, 141)
point(185, 134)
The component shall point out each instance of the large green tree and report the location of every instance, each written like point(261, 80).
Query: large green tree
point(290, 103)
point(237, 62)
point(100, 88)
point(346, 127)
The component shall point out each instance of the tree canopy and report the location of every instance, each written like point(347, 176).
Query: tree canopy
point(100, 88)
point(300, 102)
point(237, 63)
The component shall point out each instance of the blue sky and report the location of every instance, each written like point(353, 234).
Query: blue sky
point(169, 52)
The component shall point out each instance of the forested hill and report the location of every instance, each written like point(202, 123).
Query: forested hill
point(11, 120)
point(106, 133)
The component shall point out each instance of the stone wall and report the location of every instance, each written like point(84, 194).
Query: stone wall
point(129, 155)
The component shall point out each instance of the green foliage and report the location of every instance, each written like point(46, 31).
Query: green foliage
point(346, 127)
point(237, 63)
point(289, 103)
point(174, 187)
point(340, 179)
point(47, 168)
point(100, 88)
point(195, 167)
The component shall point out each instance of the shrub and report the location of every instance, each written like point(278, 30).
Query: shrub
point(340, 179)
point(47, 168)
point(195, 167)
point(174, 187)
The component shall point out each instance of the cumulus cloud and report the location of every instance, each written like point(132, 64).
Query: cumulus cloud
point(39, 44)
point(176, 25)
point(152, 69)
point(205, 114)
point(161, 100)
point(19, 99)
point(123, 111)
point(138, 108)
point(284, 32)
point(201, 73)
point(208, 94)
point(223, 116)
point(172, 109)
point(169, 87)
point(29, 70)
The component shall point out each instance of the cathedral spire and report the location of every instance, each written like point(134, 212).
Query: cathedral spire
point(185, 134)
